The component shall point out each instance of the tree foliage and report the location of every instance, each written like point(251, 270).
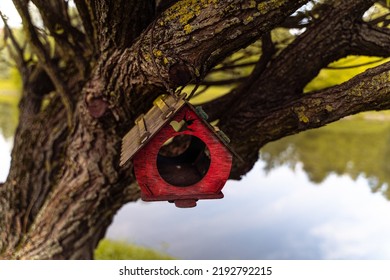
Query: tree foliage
point(89, 68)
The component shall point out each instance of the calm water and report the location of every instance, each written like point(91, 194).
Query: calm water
point(281, 215)
point(316, 195)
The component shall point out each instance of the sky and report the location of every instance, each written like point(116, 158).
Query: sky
point(7, 8)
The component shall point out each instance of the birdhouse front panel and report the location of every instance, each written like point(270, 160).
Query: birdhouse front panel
point(198, 169)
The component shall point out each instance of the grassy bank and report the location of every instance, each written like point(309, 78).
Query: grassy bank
point(115, 250)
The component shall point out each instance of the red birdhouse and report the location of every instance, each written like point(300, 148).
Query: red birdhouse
point(177, 155)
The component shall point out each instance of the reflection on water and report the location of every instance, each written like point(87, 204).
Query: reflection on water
point(355, 147)
point(321, 194)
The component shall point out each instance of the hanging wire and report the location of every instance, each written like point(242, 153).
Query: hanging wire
point(193, 91)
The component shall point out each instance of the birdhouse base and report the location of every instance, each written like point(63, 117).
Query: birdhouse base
point(184, 201)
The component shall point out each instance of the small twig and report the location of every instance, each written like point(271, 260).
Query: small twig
point(203, 90)
point(233, 66)
point(354, 66)
point(19, 57)
point(380, 19)
point(7, 62)
point(193, 92)
point(223, 82)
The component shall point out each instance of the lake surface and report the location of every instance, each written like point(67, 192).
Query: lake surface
point(321, 194)
point(280, 215)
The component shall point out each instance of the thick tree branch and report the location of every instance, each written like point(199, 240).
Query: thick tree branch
point(186, 41)
point(330, 36)
point(216, 108)
point(218, 35)
point(367, 91)
point(325, 41)
point(371, 40)
point(88, 22)
point(118, 23)
point(285, 77)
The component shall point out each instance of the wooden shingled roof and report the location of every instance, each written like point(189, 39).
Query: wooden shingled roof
point(146, 126)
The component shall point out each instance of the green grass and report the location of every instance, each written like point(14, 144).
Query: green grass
point(116, 250)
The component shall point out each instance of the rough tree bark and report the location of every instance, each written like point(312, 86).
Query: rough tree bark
point(81, 95)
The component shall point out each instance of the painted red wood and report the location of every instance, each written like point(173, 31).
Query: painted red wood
point(155, 188)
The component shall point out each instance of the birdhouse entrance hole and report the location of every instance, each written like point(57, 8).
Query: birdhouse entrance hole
point(183, 160)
